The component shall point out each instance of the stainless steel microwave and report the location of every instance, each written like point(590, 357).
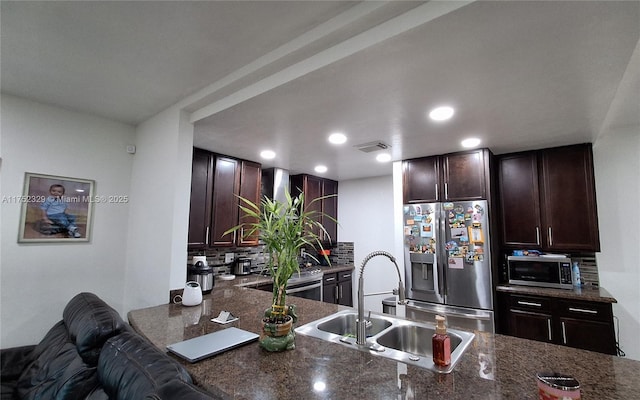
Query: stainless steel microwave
point(552, 272)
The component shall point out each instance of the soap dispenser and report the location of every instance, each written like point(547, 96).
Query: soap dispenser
point(441, 344)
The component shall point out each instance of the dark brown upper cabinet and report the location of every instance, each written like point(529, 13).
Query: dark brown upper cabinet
point(216, 183)
point(450, 177)
point(200, 202)
point(548, 199)
point(313, 188)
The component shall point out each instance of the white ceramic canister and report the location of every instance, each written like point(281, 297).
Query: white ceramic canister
point(192, 295)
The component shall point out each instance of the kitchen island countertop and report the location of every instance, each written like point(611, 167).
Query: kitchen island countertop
point(493, 367)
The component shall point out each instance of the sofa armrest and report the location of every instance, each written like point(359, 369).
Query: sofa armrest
point(14, 360)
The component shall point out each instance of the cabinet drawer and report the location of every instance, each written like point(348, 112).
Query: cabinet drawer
point(345, 276)
point(531, 303)
point(585, 310)
point(329, 279)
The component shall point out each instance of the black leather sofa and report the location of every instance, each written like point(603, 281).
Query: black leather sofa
point(93, 354)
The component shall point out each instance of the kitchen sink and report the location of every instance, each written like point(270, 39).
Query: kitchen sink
point(345, 325)
point(389, 337)
point(411, 339)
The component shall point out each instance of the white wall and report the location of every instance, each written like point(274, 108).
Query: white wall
point(365, 214)
point(617, 174)
point(159, 216)
point(37, 280)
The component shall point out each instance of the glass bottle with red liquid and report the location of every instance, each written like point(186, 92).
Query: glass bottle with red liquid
point(441, 344)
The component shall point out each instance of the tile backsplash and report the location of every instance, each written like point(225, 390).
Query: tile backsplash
point(342, 253)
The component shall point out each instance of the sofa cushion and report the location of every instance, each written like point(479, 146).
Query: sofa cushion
point(131, 368)
point(90, 322)
point(57, 371)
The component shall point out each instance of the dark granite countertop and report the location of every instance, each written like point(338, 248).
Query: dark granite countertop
point(494, 366)
point(585, 293)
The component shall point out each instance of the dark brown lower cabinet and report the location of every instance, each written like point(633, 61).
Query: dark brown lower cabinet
point(581, 324)
point(337, 288)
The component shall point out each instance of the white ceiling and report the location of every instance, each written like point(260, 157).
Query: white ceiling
point(283, 75)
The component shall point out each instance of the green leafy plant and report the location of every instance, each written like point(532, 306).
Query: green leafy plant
point(284, 228)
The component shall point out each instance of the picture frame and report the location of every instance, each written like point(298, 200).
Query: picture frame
point(56, 209)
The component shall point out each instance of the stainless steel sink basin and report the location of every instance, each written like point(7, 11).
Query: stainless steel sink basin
point(345, 325)
point(412, 339)
point(389, 337)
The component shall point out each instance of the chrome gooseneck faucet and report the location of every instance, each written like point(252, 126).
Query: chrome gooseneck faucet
point(361, 333)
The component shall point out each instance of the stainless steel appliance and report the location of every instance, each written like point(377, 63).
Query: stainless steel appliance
point(448, 260)
point(242, 266)
point(203, 274)
point(543, 271)
point(307, 284)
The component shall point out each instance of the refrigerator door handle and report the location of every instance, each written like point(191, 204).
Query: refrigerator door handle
point(437, 192)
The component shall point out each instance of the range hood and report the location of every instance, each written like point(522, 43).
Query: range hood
point(275, 182)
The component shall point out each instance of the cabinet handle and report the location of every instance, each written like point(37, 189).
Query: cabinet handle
point(549, 328)
point(346, 276)
point(538, 236)
point(437, 192)
point(340, 295)
point(550, 237)
point(330, 279)
point(336, 293)
point(206, 237)
point(528, 303)
point(564, 334)
point(582, 310)
point(446, 191)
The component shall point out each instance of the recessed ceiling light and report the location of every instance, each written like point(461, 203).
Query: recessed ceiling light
point(267, 154)
point(383, 157)
point(441, 113)
point(470, 142)
point(337, 138)
point(321, 169)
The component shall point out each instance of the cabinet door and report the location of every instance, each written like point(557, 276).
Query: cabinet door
point(530, 325)
point(588, 335)
point(329, 288)
point(420, 180)
point(465, 175)
point(200, 203)
point(345, 288)
point(519, 200)
point(568, 199)
point(330, 209)
point(250, 180)
point(226, 183)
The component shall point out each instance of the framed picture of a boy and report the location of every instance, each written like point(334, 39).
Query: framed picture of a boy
point(56, 209)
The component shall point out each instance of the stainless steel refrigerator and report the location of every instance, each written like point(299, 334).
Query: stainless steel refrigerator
point(448, 263)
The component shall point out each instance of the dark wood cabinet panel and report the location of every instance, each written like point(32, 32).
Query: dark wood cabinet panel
point(420, 180)
point(250, 181)
point(330, 208)
point(547, 199)
point(216, 183)
point(520, 200)
point(588, 335)
point(450, 177)
point(226, 182)
point(568, 199)
point(314, 188)
point(465, 175)
point(200, 201)
point(530, 325)
point(337, 288)
point(576, 323)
